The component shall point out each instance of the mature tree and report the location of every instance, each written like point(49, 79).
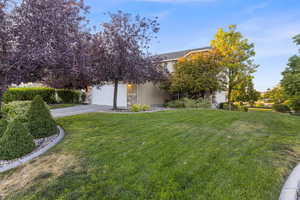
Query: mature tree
point(245, 91)
point(5, 44)
point(276, 94)
point(291, 75)
point(236, 53)
point(197, 76)
point(126, 40)
point(48, 40)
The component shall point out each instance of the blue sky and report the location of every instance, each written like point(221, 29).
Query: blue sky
point(185, 24)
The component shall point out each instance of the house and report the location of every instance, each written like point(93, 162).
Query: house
point(148, 93)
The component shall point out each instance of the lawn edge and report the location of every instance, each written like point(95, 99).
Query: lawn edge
point(291, 186)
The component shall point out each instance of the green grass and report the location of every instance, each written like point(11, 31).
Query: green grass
point(182, 154)
point(55, 106)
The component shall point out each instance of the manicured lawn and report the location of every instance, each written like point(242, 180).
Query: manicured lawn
point(55, 106)
point(182, 154)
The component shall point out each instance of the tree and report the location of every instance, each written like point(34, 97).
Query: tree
point(126, 41)
point(245, 91)
point(276, 95)
point(197, 76)
point(48, 41)
point(236, 53)
point(291, 75)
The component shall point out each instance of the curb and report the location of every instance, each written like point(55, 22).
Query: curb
point(291, 186)
point(34, 155)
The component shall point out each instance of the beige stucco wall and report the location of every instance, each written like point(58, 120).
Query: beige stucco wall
point(151, 94)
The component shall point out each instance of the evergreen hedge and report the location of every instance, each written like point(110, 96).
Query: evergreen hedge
point(28, 94)
point(3, 126)
point(69, 96)
point(15, 142)
point(41, 124)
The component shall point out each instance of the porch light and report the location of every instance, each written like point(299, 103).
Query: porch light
point(129, 85)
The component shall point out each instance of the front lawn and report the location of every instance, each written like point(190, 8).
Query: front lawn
point(56, 106)
point(182, 154)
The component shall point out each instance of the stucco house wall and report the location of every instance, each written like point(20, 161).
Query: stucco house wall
point(150, 94)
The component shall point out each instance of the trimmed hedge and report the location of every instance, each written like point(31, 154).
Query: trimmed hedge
point(3, 126)
point(189, 103)
point(28, 94)
point(281, 108)
point(41, 124)
point(69, 96)
point(15, 142)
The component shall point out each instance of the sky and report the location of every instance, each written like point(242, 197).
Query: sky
point(185, 24)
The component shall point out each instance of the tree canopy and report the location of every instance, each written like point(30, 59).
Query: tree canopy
point(237, 57)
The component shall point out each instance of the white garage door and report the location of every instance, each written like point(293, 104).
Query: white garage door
point(104, 95)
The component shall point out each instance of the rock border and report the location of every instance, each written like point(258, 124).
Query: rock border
point(290, 190)
point(33, 155)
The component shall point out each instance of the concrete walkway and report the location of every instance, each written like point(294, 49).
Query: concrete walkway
point(76, 110)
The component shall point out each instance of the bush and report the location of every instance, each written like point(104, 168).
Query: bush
point(135, 108)
point(145, 107)
point(281, 108)
point(234, 107)
point(189, 103)
point(16, 110)
point(41, 124)
point(3, 126)
point(70, 96)
point(15, 142)
point(294, 103)
point(28, 94)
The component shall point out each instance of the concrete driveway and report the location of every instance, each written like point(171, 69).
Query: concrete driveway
point(76, 110)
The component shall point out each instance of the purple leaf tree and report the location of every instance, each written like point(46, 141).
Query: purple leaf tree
point(125, 40)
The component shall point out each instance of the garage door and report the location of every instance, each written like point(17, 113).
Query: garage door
point(104, 95)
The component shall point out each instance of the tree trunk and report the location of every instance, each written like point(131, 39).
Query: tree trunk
point(115, 106)
point(229, 97)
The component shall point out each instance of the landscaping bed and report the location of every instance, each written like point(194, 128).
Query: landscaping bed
point(179, 154)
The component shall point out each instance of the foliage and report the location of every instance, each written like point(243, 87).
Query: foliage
point(15, 142)
point(138, 108)
point(294, 103)
point(236, 57)
point(16, 110)
point(291, 77)
point(189, 103)
point(69, 96)
point(276, 95)
point(3, 126)
point(126, 58)
point(28, 94)
point(245, 91)
point(197, 75)
point(41, 122)
point(166, 152)
point(281, 108)
point(234, 107)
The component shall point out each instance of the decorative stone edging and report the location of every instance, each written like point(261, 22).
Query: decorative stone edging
point(291, 186)
point(35, 154)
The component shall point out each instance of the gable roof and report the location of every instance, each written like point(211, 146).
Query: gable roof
point(178, 54)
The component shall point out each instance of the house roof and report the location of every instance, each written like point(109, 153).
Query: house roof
point(178, 54)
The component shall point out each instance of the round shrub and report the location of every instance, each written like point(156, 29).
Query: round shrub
point(145, 107)
point(15, 142)
point(135, 108)
point(40, 122)
point(281, 108)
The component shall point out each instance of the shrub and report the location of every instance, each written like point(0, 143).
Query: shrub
point(281, 108)
point(16, 110)
point(3, 126)
point(70, 96)
point(175, 104)
point(41, 124)
point(135, 108)
point(189, 103)
point(294, 103)
point(15, 142)
point(145, 107)
point(28, 94)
